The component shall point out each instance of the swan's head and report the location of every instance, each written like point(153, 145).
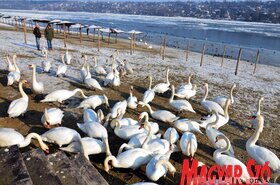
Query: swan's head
point(31, 66)
point(108, 163)
point(219, 137)
point(141, 117)
point(44, 147)
point(233, 86)
point(106, 101)
point(84, 56)
point(14, 56)
point(144, 125)
point(25, 83)
point(114, 123)
point(100, 115)
point(205, 84)
point(172, 170)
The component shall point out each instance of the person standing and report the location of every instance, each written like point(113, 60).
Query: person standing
point(49, 34)
point(37, 34)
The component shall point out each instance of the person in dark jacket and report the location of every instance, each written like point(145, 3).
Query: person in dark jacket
point(49, 34)
point(37, 34)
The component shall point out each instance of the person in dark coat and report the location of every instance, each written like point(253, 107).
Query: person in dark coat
point(37, 34)
point(49, 34)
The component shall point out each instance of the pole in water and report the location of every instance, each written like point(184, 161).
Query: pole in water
point(257, 61)
point(238, 60)
point(224, 53)
point(24, 29)
point(98, 40)
point(202, 54)
point(188, 50)
point(64, 35)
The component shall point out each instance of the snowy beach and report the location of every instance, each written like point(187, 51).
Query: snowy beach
point(250, 87)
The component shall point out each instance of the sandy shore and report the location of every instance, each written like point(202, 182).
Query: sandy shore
point(250, 87)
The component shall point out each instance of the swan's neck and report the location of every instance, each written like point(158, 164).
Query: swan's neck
point(130, 93)
point(79, 90)
point(218, 152)
point(8, 60)
point(150, 86)
point(254, 138)
point(210, 125)
point(165, 163)
point(28, 138)
point(114, 160)
point(146, 116)
point(167, 80)
point(172, 95)
point(259, 107)
point(15, 64)
point(88, 73)
point(226, 111)
point(148, 138)
point(189, 80)
point(107, 146)
point(34, 80)
point(150, 108)
point(23, 94)
point(206, 93)
point(231, 94)
point(95, 62)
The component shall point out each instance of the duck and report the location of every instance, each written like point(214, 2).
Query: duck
point(62, 68)
point(122, 105)
point(132, 101)
point(92, 146)
point(210, 106)
point(187, 125)
point(52, 116)
point(262, 154)
point(188, 144)
point(223, 119)
point(11, 66)
point(162, 87)
point(37, 87)
point(222, 159)
point(221, 100)
point(180, 105)
point(83, 70)
point(68, 57)
point(212, 133)
point(10, 137)
point(19, 106)
point(133, 159)
point(162, 115)
point(46, 64)
point(171, 135)
point(186, 93)
point(188, 86)
point(13, 76)
point(149, 94)
point(158, 167)
point(99, 70)
point(94, 101)
point(62, 95)
point(90, 82)
point(156, 145)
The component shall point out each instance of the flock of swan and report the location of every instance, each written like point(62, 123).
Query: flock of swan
point(144, 146)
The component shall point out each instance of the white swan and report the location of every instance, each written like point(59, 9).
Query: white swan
point(221, 100)
point(223, 119)
point(19, 106)
point(222, 159)
point(144, 117)
point(157, 145)
point(109, 77)
point(93, 129)
point(171, 135)
point(212, 133)
point(62, 68)
point(90, 82)
point(158, 167)
point(187, 125)
point(92, 146)
point(68, 57)
point(127, 67)
point(94, 101)
point(162, 115)
point(180, 105)
point(11, 66)
point(162, 87)
point(46, 64)
point(122, 105)
point(62, 95)
point(9, 137)
point(188, 144)
point(127, 132)
point(83, 70)
point(186, 93)
point(186, 86)
point(52, 116)
point(133, 159)
point(210, 106)
point(261, 154)
point(99, 70)
point(149, 94)
point(254, 115)
point(37, 87)
point(116, 80)
point(13, 76)
point(132, 100)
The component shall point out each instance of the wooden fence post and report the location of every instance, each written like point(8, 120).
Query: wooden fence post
point(238, 60)
point(81, 35)
point(187, 52)
point(131, 42)
point(98, 40)
point(163, 49)
point(257, 61)
point(160, 48)
point(202, 55)
point(24, 29)
point(64, 35)
point(224, 53)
